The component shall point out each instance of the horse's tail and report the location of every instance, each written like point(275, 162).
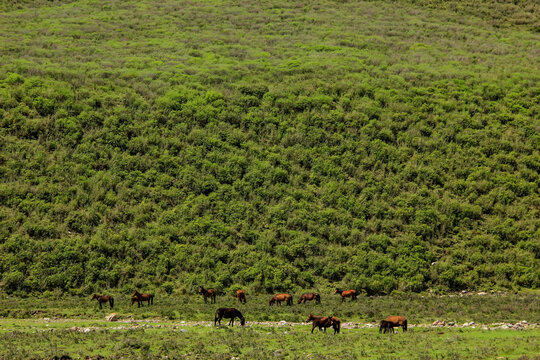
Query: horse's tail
point(318, 298)
point(111, 302)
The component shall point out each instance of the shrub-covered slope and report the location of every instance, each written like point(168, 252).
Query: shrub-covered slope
point(272, 145)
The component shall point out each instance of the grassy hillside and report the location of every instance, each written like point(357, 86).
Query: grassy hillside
point(270, 145)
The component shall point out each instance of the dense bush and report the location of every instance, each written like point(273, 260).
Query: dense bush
point(276, 146)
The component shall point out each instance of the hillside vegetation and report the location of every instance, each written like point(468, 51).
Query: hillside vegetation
point(271, 145)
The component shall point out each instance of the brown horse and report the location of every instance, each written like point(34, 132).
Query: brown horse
point(324, 322)
point(139, 298)
point(210, 293)
point(278, 298)
point(241, 296)
point(346, 293)
point(229, 313)
point(310, 296)
point(400, 321)
point(387, 326)
point(103, 299)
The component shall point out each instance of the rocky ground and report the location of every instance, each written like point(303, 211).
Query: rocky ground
point(133, 324)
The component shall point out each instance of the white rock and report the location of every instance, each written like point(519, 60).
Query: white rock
point(112, 317)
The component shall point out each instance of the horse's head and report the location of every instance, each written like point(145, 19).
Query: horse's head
point(309, 318)
point(338, 291)
point(95, 296)
point(271, 302)
point(202, 290)
point(242, 321)
point(136, 294)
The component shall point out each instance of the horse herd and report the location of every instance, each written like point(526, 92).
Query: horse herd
point(136, 297)
point(321, 322)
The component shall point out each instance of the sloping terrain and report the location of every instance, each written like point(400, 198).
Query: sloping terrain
point(271, 145)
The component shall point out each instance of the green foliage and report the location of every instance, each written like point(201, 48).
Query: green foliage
point(269, 146)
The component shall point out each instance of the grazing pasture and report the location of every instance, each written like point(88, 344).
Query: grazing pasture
point(39, 339)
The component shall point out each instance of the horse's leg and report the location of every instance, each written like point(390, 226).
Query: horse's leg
point(100, 305)
point(313, 328)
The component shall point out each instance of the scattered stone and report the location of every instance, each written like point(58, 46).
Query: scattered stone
point(87, 330)
point(112, 317)
point(75, 328)
point(451, 323)
point(183, 330)
point(438, 323)
point(482, 293)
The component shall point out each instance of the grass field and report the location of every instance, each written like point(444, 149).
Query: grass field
point(36, 339)
point(417, 308)
point(179, 326)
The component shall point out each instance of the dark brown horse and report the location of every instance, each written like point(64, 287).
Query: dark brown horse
point(241, 296)
point(278, 298)
point(400, 321)
point(139, 298)
point(103, 299)
point(346, 293)
point(324, 322)
point(308, 297)
point(387, 326)
point(210, 293)
point(228, 313)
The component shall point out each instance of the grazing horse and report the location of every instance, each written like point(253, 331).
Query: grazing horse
point(278, 298)
point(347, 293)
point(210, 293)
point(228, 313)
point(241, 296)
point(387, 326)
point(103, 299)
point(399, 321)
point(139, 298)
point(325, 322)
point(310, 296)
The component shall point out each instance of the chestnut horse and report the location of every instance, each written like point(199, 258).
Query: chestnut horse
point(241, 296)
point(210, 293)
point(139, 298)
point(347, 293)
point(228, 313)
point(103, 299)
point(308, 297)
point(325, 322)
point(399, 321)
point(278, 298)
